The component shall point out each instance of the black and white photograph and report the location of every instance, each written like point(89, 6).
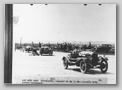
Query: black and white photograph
point(63, 43)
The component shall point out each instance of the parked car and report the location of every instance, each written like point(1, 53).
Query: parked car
point(28, 48)
point(86, 60)
point(46, 50)
point(104, 48)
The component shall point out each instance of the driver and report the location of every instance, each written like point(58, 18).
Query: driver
point(75, 52)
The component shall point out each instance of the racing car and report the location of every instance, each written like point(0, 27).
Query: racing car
point(86, 60)
point(46, 50)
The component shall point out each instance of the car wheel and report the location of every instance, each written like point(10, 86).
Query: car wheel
point(65, 63)
point(83, 66)
point(41, 54)
point(104, 66)
point(50, 53)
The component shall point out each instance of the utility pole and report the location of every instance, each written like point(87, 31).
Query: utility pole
point(20, 41)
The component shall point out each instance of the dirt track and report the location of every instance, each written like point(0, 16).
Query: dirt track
point(52, 66)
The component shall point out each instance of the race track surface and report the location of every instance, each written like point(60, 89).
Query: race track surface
point(25, 65)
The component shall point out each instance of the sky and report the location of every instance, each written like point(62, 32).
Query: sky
point(64, 22)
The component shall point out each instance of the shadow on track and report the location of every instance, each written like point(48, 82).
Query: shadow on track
point(40, 55)
point(90, 71)
point(46, 55)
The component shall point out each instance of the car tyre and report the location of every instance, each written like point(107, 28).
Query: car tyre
point(104, 66)
point(50, 53)
point(83, 66)
point(65, 63)
point(41, 54)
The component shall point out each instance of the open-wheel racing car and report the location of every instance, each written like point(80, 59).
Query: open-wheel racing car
point(86, 60)
point(46, 50)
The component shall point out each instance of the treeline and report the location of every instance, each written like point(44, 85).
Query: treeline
point(67, 47)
